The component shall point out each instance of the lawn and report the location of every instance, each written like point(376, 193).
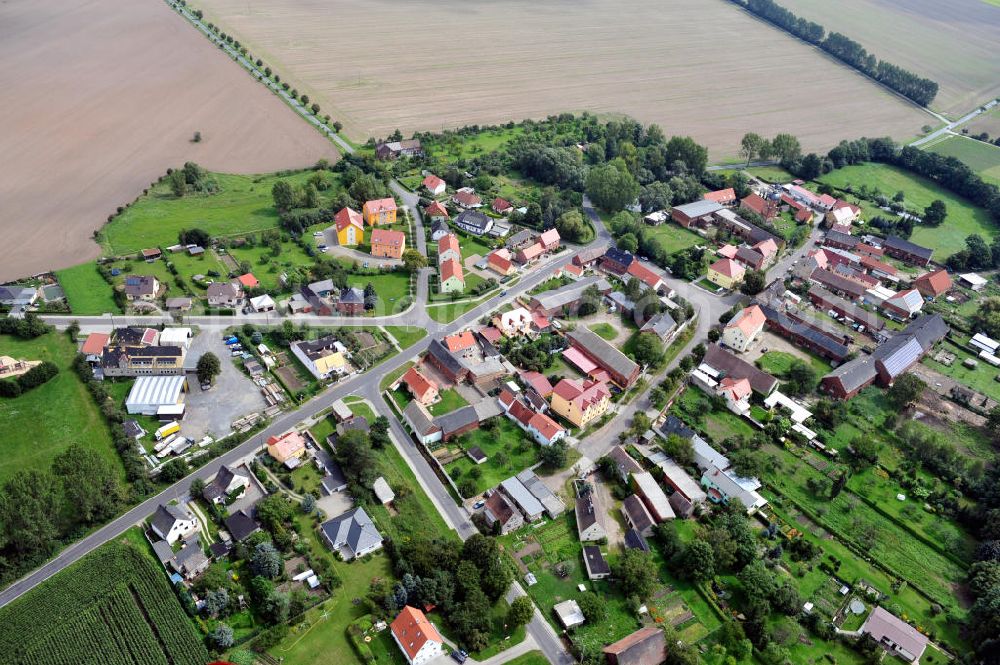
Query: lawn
point(389, 378)
point(695, 408)
point(471, 246)
point(673, 238)
point(451, 311)
point(448, 402)
point(86, 291)
point(393, 290)
point(42, 423)
point(407, 336)
point(605, 330)
point(778, 363)
point(504, 437)
point(983, 158)
point(267, 267)
point(963, 218)
point(530, 658)
point(243, 204)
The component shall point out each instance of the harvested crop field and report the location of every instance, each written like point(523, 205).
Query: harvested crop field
point(698, 67)
point(100, 98)
point(953, 43)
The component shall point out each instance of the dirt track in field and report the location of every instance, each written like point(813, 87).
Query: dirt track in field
point(698, 67)
point(954, 43)
point(99, 98)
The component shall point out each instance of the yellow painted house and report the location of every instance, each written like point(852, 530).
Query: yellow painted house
point(380, 212)
point(726, 273)
point(580, 402)
point(350, 227)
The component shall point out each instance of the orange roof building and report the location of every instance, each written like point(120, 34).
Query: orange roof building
point(436, 210)
point(388, 244)
point(460, 341)
point(434, 184)
point(550, 239)
point(449, 248)
point(766, 209)
point(743, 328)
point(452, 276)
point(933, 284)
point(287, 447)
point(416, 636)
point(94, 346)
point(423, 389)
point(248, 281)
point(580, 402)
point(499, 261)
point(724, 197)
point(645, 275)
point(726, 273)
point(350, 227)
point(380, 211)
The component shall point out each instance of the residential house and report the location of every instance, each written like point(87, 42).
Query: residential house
point(737, 393)
point(743, 329)
point(388, 150)
point(726, 273)
point(514, 322)
point(499, 510)
point(550, 240)
point(452, 277)
point(768, 209)
point(566, 299)
point(93, 346)
point(749, 257)
point(380, 212)
point(616, 261)
point(287, 449)
point(592, 347)
point(895, 635)
point(502, 206)
point(588, 520)
point(421, 423)
point(538, 382)
point(433, 184)
point(466, 198)
point(530, 507)
point(353, 534)
point(647, 277)
point(544, 430)
point(646, 646)
point(580, 402)
point(351, 301)
point(907, 251)
point(449, 248)
point(388, 244)
point(171, 522)
point(499, 261)
point(474, 222)
point(225, 294)
point(723, 486)
point(653, 496)
point(437, 213)
point(190, 561)
point(727, 251)
point(350, 227)
point(637, 515)
point(625, 465)
point(699, 213)
point(595, 563)
point(586, 257)
point(838, 284)
point(840, 216)
point(141, 287)
point(423, 389)
point(840, 240)
point(180, 304)
point(324, 357)
point(229, 482)
point(724, 197)
point(530, 253)
point(933, 284)
point(662, 325)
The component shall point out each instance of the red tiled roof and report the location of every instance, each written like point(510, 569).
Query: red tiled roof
point(748, 320)
point(875, 264)
point(547, 427)
point(736, 388)
point(467, 198)
point(935, 283)
point(727, 251)
point(412, 631)
point(452, 268)
point(804, 215)
point(248, 280)
point(460, 341)
point(576, 358)
point(95, 343)
point(491, 334)
point(346, 217)
point(576, 270)
point(767, 248)
point(531, 252)
point(540, 320)
point(644, 274)
point(785, 198)
point(549, 238)
point(500, 204)
point(727, 267)
point(378, 205)
point(758, 205)
point(721, 195)
point(432, 182)
point(449, 241)
point(418, 383)
point(537, 381)
point(436, 209)
point(498, 259)
point(520, 412)
point(388, 237)
point(582, 393)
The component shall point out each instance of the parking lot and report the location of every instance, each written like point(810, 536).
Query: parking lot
point(212, 412)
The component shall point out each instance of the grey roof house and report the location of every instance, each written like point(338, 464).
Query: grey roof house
point(352, 534)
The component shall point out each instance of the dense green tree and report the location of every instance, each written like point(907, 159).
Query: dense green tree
point(647, 350)
point(697, 561)
point(208, 367)
point(571, 226)
point(935, 213)
point(221, 637)
point(655, 196)
point(594, 607)
point(90, 484)
point(754, 282)
point(178, 185)
point(679, 449)
point(750, 146)
point(520, 613)
point(785, 148)
point(265, 561)
point(414, 260)
point(684, 149)
point(284, 195)
point(801, 378)
point(611, 186)
point(628, 243)
point(484, 553)
point(636, 573)
point(173, 470)
point(30, 505)
point(554, 456)
point(905, 390)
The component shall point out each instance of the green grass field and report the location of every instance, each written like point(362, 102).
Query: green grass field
point(266, 267)
point(981, 157)
point(673, 238)
point(407, 336)
point(86, 291)
point(778, 363)
point(42, 423)
point(393, 289)
point(449, 401)
point(242, 204)
point(695, 408)
point(505, 437)
point(963, 218)
point(605, 330)
point(464, 147)
point(981, 378)
point(530, 658)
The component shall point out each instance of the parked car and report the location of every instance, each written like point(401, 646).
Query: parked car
point(459, 656)
point(478, 504)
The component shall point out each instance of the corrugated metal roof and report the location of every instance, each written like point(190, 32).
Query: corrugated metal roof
point(155, 390)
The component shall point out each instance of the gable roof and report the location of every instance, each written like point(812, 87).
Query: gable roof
point(348, 217)
point(240, 525)
point(909, 301)
point(549, 237)
point(449, 243)
point(644, 275)
point(436, 209)
point(902, 245)
point(432, 182)
point(419, 419)
point(609, 356)
point(417, 382)
point(887, 627)
point(698, 208)
point(749, 320)
point(248, 280)
point(452, 268)
point(388, 237)
point(728, 267)
point(379, 205)
point(646, 646)
point(933, 283)
point(460, 341)
point(720, 195)
point(499, 507)
point(727, 364)
point(638, 514)
point(95, 344)
point(354, 529)
point(412, 631)
point(166, 516)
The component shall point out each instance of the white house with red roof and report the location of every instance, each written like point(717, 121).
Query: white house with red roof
point(434, 184)
point(467, 198)
point(502, 206)
point(649, 278)
point(737, 393)
point(436, 211)
point(743, 329)
point(449, 248)
point(499, 261)
point(416, 636)
point(549, 239)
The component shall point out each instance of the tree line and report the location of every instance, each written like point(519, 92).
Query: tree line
point(912, 86)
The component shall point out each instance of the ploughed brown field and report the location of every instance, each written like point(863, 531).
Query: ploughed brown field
point(698, 67)
point(99, 98)
point(955, 43)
